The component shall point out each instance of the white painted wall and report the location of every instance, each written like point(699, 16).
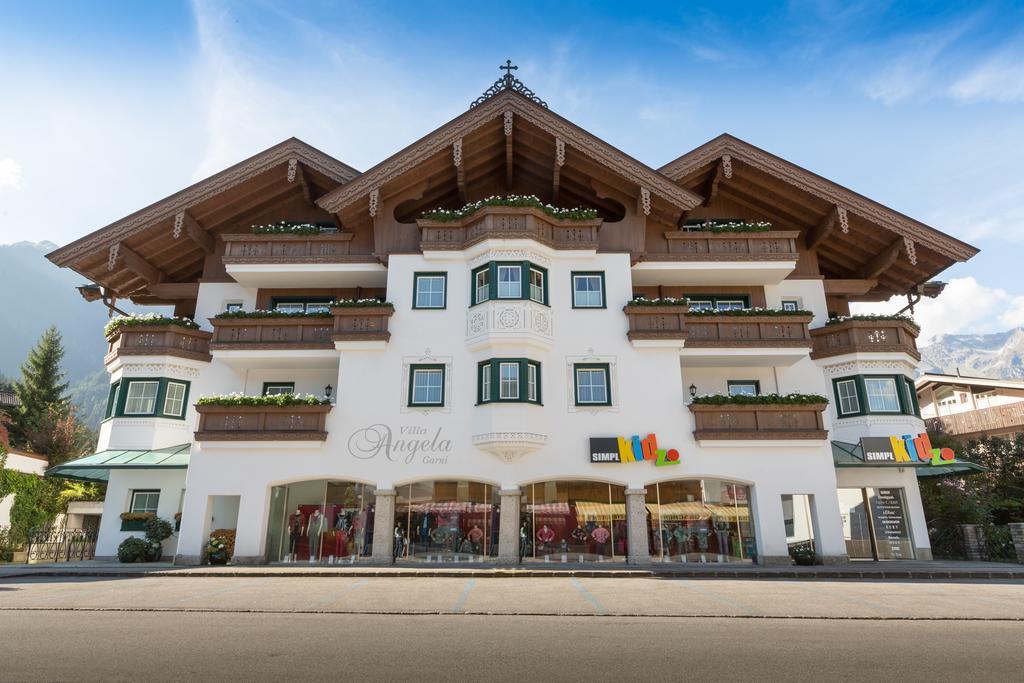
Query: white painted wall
point(118, 499)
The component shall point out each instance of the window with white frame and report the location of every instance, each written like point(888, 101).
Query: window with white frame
point(536, 285)
point(232, 306)
point(145, 501)
point(430, 290)
point(849, 402)
point(791, 304)
point(588, 290)
point(174, 399)
point(592, 382)
point(141, 397)
point(531, 382)
point(278, 388)
point(510, 282)
point(482, 280)
point(881, 394)
point(508, 374)
point(426, 385)
point(744, 387)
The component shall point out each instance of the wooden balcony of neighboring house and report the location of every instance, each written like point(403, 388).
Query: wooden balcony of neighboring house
point(770, 338)
point(262, 423)
point(759, 421)
point(865, 336)
point(706, 258)
point(508, 222)
point(365, 326)
point(300, 260)
point(993, 421)
point(158, 340)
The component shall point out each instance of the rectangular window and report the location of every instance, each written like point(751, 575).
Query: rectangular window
point(482, 279)
point(730, 305)
point(318, 307)
point(881, 394)
point(426, 385)
point(537, 285)
point(744, 387)
point(232, 306)
point(592, 385)
point(508, 374)
point(296, 305)
point(278, 388)
point(141, 397)
point(485, 382)
point(701, 304)
point(531, 382)
point(429, 290)
point(290, 307)
point(790, 305)
point(112, 398)
point(145, 501)
point(726, 302)
point(174, 399)
point(588, 290)
point(510, 282)
point(846, 393)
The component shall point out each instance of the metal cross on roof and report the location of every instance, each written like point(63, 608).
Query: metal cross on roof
point(508, 82)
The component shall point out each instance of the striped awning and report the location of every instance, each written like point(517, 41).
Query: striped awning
point(694, 510)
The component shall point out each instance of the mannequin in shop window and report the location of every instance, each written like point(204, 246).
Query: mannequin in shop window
point(475, 535)
point(317, 526)
point(341, 535)
point(579, 535)
point(601, 536)
point(524, 542)
point(399, 542)
point(545, 535)
point(296, 523)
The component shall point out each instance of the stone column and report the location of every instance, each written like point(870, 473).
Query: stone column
point(636, 523)
point(508, 529)
point(974, 542)
point(384, 527)
point(1017, 531)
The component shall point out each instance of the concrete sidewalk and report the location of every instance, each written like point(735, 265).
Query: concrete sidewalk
point(855, 570)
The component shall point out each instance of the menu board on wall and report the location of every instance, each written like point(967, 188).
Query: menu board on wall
point(892, 536)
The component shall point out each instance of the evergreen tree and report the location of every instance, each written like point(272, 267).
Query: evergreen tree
point(42, 389)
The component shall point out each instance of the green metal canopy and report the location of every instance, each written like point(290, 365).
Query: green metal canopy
point(96, 467)
point(852, 455)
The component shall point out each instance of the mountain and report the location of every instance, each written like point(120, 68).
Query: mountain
point(37, 294)
point(999, 355)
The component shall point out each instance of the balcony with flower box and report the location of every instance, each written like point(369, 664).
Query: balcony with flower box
point(153, 335)
point(274, 339)
point(657, 322)
point(283, 417)
point(770, 416)
point(874, 334)
point(299, 255)
point(746, 337)
point(720, 252)
point(508, 218)
point(361, 324)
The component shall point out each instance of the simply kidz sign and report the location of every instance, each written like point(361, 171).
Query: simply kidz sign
point(905, 449)
point(635, 449)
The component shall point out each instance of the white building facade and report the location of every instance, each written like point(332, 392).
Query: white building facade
point(502, 396)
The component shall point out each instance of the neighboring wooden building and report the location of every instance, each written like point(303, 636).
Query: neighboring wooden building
point(971, 407)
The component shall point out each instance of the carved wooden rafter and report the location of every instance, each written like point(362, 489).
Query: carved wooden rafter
point(508, 150)
point(817, 235)
point(711, 187)
point(140, 266)
point(174, 290)
point(460, 170)
point(556, 172)
point(877, 265)
point(196, 233)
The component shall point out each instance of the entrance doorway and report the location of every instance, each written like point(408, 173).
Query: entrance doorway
point(875, 524)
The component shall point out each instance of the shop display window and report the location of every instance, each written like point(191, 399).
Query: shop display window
point(320, 522)
point(446, 521)
point(700, 520)
point(573, 521)
point(875, 524)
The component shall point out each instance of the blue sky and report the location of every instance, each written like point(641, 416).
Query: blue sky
point(106, 107)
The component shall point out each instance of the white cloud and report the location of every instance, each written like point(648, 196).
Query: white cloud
point(1000, 79)
point(10, 174)
point(964, 307)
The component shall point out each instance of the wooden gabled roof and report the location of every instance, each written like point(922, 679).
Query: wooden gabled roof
point(114, 247)
point(493, 109)
point(853, 236)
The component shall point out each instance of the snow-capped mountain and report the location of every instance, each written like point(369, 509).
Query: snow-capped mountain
point(999, 355)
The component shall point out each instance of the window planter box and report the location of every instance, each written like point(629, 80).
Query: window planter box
point(508, 222)
point(865, 336)
point(262, 423)
point(289, 248)
point(158, 340)
point(768, 421)
point(656, 322)
point(749, 331)
point(361, 323)
point(282, 334)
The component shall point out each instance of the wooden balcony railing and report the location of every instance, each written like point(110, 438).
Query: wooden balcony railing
point(284, 248)
point(361, 323)
point(508, 222)
point(262, 423)
point(1004, 419)
point(656, 322)
point(759, 421)
point(865, 336)
point(775, 245)
point(158, 340)
point(271, 334)
point(748, 331)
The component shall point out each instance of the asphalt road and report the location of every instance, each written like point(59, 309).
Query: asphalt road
point(553, 629)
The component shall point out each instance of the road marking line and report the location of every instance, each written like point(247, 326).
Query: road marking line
point(460, 603)
point(850, 599)
point(588, 596)
point(336, 594)
point(721, 599)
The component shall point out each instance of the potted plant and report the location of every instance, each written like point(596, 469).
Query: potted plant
point(157, 531)
point(221, 546)
point(803, 553)
point(133, 549)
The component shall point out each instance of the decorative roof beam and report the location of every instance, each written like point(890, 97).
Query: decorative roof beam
point(711, 188)
point(818, 233)
point(295, 173)
point(140, 266)
point(876, 266)
point(460, 171)
point(374, 202)
point(195, 231)
point(508, 150)
point(556, 173)
point(174, 290)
